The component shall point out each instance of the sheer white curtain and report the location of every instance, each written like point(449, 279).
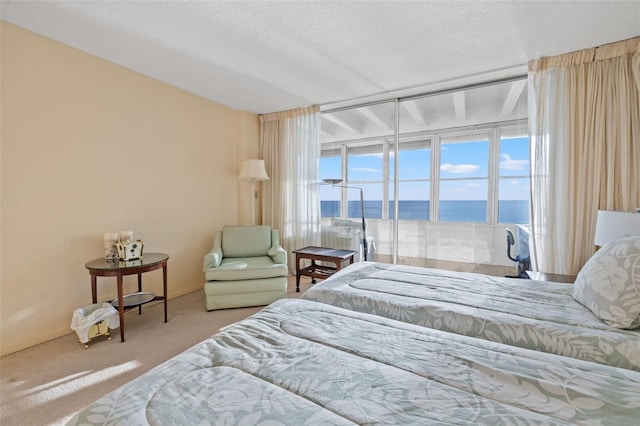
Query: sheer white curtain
point(584, 120)
point(290, 142)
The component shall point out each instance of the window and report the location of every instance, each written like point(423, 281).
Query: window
point(365, 170)
point(330, 168)
point(462, 185)
point(464, 177)
point(463, 157)
point(513, 190)
point(414, 187)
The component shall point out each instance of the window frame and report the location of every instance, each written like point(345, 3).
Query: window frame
point(492, 131)
point(391, 148)
point(517, 132)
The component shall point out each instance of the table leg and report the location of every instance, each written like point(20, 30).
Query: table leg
point(164, 289)
point(121, 306)
point(313, 265)
point(139, 290)
point(94, 289)
point(297, 273)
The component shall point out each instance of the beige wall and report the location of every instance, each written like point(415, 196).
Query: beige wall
point(90, 147)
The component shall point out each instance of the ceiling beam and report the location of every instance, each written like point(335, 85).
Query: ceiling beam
point(374, 118)
point(515, 91)
point(459, 105)
point(326, 134)
point(413, 111)
point(342, 123)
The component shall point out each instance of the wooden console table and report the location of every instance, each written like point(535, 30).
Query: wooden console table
point(115, 268)
point(337, 257)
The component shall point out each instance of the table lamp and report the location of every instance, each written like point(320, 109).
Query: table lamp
point(612, 225)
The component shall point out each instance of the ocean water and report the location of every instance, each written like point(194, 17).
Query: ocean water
point(509, 211)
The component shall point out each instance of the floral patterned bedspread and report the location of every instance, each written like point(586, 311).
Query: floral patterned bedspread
point(537, 315)
point(298, 362)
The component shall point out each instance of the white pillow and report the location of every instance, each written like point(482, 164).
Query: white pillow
point(609, 283)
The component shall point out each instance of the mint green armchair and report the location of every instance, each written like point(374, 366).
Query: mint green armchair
point(246, 267)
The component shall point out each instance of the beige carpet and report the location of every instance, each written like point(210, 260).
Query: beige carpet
point(48, 383)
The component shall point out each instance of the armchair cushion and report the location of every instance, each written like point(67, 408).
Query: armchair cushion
point(214, 257)
point(246, 241)
point(246, 268)
point(278, 255)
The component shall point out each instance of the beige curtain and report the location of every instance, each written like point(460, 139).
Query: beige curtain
point(584, 120)
point(290, 142)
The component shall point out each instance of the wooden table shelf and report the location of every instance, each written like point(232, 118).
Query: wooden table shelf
point(323, 254)
point(115, 268)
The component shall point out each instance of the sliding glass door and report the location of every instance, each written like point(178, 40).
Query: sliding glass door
point(442, 174)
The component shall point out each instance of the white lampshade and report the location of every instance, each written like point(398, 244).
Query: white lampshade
point(253, 170)
point(612, 225)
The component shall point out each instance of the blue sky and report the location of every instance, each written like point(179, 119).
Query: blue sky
point(459, 161)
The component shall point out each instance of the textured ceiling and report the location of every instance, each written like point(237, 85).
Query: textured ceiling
point(265, 56)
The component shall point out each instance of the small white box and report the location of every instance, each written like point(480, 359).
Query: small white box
point(130, 251)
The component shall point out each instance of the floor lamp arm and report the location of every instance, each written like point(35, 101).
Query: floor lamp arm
point(335, 182)
point(364, 227)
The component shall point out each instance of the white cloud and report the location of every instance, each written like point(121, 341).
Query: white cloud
point(381, 155)
point(459, 168)
point(365, 169)
point(510, 164)
point(473, 185)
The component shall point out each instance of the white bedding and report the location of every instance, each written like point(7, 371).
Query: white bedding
point(304, 363)
point(536, 315)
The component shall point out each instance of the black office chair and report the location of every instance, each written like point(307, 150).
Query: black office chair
point(522, 263)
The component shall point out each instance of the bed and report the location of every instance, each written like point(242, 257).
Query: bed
point(537, 315)
point(300, 362)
